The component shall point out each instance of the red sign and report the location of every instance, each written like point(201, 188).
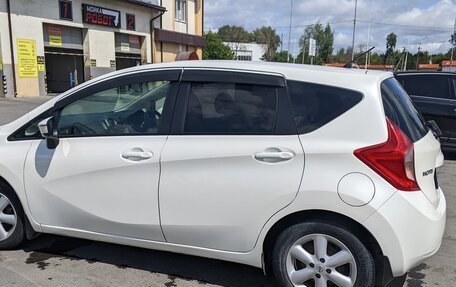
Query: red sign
point(66, 10)
point(131, 23)
point(100, 16)
point(133, 39)
point(55, 30)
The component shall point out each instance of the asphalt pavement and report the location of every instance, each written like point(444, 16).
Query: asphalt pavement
point(61, 261)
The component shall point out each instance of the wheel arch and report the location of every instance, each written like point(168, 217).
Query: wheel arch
point(29, 230)
point(324, 216)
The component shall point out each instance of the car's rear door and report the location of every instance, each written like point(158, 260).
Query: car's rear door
point(103, 176)
point(232, 160)
point(427, 152)
point(432, 94)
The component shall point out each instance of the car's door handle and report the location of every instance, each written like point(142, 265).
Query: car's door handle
point(137, 154)
point(285, 155)
point(273, 155)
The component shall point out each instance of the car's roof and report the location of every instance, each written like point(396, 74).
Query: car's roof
point(342, 77)
point(281, 68)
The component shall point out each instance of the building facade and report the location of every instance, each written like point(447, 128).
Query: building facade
point(49, 46)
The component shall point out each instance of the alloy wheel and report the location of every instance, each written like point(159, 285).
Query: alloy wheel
point(319, 260)
point(8, 218)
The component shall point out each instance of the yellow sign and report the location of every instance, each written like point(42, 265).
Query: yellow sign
point(26, 54)
point(40, 62)
point(55, 40)
point(1, 64)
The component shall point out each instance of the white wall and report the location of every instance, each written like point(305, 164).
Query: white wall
point(257, 50)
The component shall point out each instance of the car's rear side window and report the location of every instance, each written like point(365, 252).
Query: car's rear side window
point(400, 110)
point(316, 105)
point(433, 86)
point(230, 108)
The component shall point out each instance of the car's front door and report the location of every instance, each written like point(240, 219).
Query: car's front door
point(232, 160)
point(103, 176)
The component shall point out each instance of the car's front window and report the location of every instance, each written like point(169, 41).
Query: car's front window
point(121, 110)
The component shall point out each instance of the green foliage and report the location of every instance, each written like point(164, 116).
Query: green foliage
point(215, 49)
point(391, 41)
point(269, 37)
point(325, 40)
point(283, 57)
point(235, 34)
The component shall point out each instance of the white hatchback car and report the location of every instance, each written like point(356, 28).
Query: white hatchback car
point(321, 176)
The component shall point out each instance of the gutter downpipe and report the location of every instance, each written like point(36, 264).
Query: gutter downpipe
point(152, 31)
point(13, 64)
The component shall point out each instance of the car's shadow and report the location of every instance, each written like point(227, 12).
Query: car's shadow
point(204, 270)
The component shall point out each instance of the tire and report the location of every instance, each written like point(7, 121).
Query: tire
point(356, 264)
point(11, 235)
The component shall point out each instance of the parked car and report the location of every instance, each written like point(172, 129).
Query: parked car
point(434, 96)
point(321, 176)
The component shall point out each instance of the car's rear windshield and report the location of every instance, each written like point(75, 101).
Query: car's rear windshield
point(400, 110)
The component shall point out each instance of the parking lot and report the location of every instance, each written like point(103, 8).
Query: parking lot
point(61, 261)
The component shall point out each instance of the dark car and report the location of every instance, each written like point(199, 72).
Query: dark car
point(434, 95)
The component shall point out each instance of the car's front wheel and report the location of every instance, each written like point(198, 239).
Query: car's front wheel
point(315, 254)
point(12, 231)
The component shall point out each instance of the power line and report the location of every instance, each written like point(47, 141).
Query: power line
point(351, 21)
point(283, 27)
point(407, 26)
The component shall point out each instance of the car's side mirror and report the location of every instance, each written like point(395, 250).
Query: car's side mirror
point(48, 130)
point(432, 125)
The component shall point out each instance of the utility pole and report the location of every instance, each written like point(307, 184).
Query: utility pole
point(289, 30)
point(368, 39)
point(405, 62)
point(452, 44)
point(354, 30)
point(418, 57)
point(281, 44)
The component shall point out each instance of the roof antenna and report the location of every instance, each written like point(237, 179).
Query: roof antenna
point(349, 65)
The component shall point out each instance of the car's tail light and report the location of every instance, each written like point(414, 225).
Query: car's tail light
point(393, 160)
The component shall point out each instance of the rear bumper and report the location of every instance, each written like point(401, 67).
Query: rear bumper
point(409, 229)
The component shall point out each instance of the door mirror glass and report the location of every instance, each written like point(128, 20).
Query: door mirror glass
point(49, 132)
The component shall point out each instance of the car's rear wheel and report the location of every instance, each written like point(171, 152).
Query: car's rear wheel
point(321, 255)
point(12, 232)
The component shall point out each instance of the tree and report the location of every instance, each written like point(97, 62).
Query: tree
point(391, 41)
point(236, 34)
point(325, 41)
point(269, 37)
point(283, 57)
point(453, 39)
point(342, 56)
point(215, 49)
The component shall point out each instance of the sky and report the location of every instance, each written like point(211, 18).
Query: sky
point(417, 23)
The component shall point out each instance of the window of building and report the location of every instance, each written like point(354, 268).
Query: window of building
point(181, 10)
point(122, 110)
point(244, 55)
point(231, 108)
point(316, 105)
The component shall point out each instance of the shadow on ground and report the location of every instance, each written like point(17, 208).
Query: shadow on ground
point(185, 267)
point(449, 155)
